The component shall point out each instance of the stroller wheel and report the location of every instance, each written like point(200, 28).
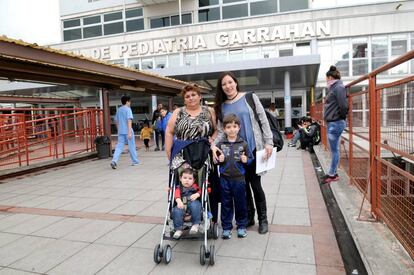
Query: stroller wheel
point(167, 251)
point(215, 231)
point(202, 254)
point(212, 255)
point(157, 254)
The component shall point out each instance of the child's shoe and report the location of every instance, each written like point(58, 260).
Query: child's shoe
point(177, 234)
point(194, 229)
point(241, 233)
point(226, 234)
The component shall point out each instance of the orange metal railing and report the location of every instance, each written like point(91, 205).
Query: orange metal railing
point(29, 136)
point(377, 148)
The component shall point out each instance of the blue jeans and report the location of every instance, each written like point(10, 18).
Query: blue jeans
point(335, 129)
point(122, 140)
point(233, 193)
point(158, 134)
point(194, 208)
point(296, 137)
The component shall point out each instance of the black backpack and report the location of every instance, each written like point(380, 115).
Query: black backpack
point(274, 125)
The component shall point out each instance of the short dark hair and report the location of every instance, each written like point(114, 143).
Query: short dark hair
point(231, 118)
point(189, 171)
point(307, 119)
point(190, 87)
point(333, 72)
point(125, 99)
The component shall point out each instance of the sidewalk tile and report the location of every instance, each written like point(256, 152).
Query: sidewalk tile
point(291, 216)
point(131, 207)
point(14, 220)
point(88, 261)
point(251, 247)
point(33, 225)
point(61, 228)
point(125, 234)
point(150, 239)
point(92, 231)
point(181, 263)
point(232, 266)
point(6, 238)
point(9, 271)
point(288, 268)
point(296, 201)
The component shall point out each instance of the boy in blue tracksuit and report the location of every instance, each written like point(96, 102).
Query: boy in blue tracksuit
point(234, 154)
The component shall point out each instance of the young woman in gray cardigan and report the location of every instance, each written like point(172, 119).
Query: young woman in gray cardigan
point(229, 99)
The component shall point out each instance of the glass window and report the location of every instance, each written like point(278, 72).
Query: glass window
point(379, 51)
point(236, 55)
point(398, 48)
point(71, 23)
point(185, 19)
point(133, 63)
point(325, 51)
point(359, 56)
point(72, 34)
point(234, 11)
point(232, 1)
point(204, 58)
point(133, 13)
point(160, 62)
point(92, 20)
point(112, 28)
point(251, 53)
point(220, 56)
point(205, 3)
point(285, 52)
point(160, 22)
point(147, 64)
point(174, 60)
point(289, 5)
point(92, 31)
point(134, 25)
point(263, 7)
point(302, 49)
point(189, 59)
point(341, 56)
point(113, 16)
point(209, 15)
point(269, 51)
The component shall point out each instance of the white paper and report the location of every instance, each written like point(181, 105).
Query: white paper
point(263, 164)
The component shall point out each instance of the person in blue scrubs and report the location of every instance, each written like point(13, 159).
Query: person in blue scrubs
point(123, 119)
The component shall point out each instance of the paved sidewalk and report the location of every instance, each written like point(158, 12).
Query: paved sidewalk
point(86, 218)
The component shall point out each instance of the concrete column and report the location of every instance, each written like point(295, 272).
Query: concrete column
point(153, 103)
point(288, 102)
point(106, 114)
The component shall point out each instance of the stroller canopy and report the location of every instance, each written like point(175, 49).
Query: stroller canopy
point(195, 152)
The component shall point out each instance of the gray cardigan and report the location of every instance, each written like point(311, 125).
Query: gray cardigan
point(261, 139)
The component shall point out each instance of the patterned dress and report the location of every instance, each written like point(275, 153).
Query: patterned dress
point(188, 127)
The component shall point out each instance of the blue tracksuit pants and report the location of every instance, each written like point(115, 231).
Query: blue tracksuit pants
point(233, 195)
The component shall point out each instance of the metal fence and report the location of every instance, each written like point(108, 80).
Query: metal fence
point(377, 147)
point(29, 136)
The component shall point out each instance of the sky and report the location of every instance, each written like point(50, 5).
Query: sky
point(34, 21)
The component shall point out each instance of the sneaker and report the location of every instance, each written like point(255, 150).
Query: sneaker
point(241, 233)
point(194, 229)
point(291, 145)
point(177, 234)
point(135, 164)
point(113, 165)
point(226, 234)
point(157, 149)
point(329, 179)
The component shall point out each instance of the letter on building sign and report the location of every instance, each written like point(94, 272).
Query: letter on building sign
point(106, 53)
point(235, 38)
point(199, 42)
point(249, 35)
point(96, 53)
point(263, 34)
point(143, 48)
point(182, 43)
point(277, 33)
point(307, 30)
point(168, 43)
point(222, 39)
point(159, 46)
point(292, 29)
point(134, 49)
point(321, 28)
point(123, 49)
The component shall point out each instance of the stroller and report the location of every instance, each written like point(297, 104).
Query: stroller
point(196, 154)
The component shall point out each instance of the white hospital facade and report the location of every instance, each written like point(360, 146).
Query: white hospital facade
point(279, 49)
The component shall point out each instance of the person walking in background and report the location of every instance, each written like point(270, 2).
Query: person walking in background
point(156, 116)
point(145, 135)
point(229, 99)
point(273, 111)
point(335, 112)
point(123, 119)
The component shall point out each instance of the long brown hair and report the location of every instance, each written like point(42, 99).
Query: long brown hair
point(220, 95)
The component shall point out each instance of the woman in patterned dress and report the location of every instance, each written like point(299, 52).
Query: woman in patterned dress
point(193, 121)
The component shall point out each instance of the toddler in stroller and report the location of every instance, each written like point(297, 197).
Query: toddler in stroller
point(186, 197)
point(191, 166)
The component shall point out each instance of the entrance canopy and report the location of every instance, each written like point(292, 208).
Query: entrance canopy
point(257, 75)
point(20, 61)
